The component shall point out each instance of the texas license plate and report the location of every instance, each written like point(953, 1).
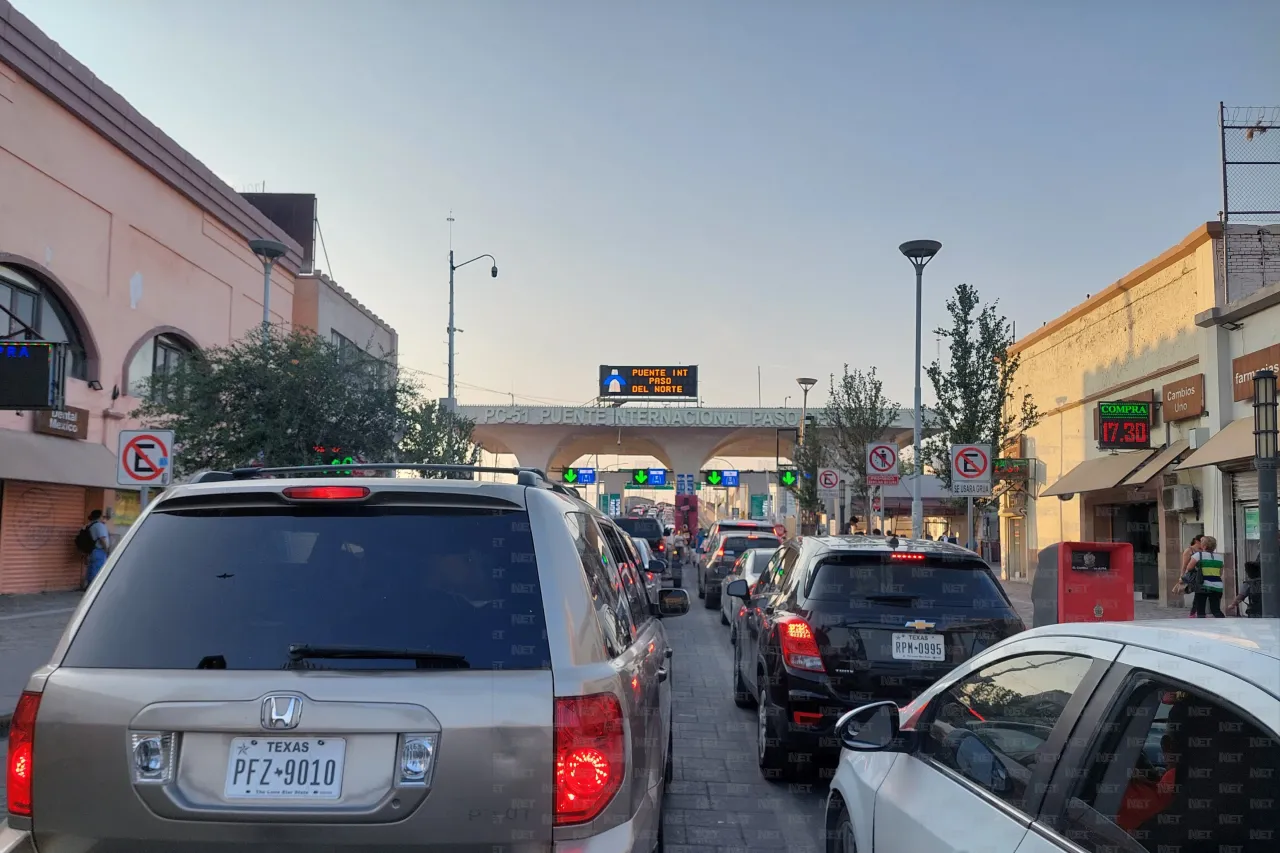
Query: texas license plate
point(292, 768)
point(919, 647)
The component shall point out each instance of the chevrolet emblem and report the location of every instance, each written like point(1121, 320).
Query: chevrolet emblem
point(920, 625)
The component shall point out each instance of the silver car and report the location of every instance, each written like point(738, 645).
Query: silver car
point(271, 661)
point(748, 567)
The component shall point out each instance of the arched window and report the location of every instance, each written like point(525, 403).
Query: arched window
point(34, 304)
point(157, 356)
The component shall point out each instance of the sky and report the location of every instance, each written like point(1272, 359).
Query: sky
point(718, 182)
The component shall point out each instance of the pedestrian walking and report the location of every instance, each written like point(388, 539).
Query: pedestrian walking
point(94, 541)
point(1250, 591)
point(1202, 574)
point(1186, 555)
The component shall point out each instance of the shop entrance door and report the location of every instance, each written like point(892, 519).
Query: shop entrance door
point(1139, 526)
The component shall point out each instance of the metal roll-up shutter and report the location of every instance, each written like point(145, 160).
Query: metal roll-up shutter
point(1244, 486)
point(38, 525)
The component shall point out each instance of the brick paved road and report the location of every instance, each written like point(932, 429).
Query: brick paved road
point(718, 801)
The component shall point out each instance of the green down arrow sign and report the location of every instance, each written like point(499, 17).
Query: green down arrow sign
point(788, 478)
point(571, 475)
point(714, 477)
point(640, 476)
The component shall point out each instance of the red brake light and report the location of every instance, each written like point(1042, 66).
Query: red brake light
point(326, 493)
point(807, 718)
point(22, 735)
point(907, 558)
point(799, 646)
point(590, 756)
point(662, 546)
point(753, 536)
point(650, 574)
point(742, 610)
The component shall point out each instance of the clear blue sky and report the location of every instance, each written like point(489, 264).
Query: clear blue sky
point(721, 182)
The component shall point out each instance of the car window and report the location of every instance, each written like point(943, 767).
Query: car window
point(632, 584)
point(1172, 766)
point(768, 579)
point(601, 571)
point(931, 582)
point(737, 544)
point(235, 588)
point(646, 528)
point(992, 726)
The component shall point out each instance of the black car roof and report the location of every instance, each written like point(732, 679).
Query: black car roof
point(880, 545)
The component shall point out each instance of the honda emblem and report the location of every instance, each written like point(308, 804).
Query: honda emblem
point(281, 712)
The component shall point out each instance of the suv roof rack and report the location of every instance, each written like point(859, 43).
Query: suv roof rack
point(524, 476)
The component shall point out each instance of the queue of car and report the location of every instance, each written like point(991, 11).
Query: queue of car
point(953, 728)
point(276, 660)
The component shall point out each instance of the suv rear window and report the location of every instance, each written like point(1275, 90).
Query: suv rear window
point(646, 528)
point(965, 584)
point(738, 544)
point(233, 589)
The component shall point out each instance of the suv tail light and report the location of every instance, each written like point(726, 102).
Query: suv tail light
point(799, 646)
point(907, 557)
point(662, 546)
point(590, 756)
point(22, 736)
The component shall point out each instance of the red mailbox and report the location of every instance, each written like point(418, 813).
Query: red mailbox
point(1083, 582)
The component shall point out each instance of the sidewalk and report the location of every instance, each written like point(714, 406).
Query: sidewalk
point(30, 626)
point(1020, 593)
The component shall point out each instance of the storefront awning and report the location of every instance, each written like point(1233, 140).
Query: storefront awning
point(1153, 467)
point(1093, 475)
point(1232, 443)
point(47, 459)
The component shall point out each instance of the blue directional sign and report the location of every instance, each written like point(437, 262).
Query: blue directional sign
point(586, 476)
point(730, 479)
point(685, 484)
point(657, 476)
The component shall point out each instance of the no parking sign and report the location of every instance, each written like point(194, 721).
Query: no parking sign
point(145, 458)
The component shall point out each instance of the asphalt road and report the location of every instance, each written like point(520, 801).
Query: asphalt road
point(719, 801)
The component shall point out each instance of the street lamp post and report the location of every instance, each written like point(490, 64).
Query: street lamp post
point(1265, 460)
point(919, 252)
point(268, 251)
point(493, 271)
point(805, 384)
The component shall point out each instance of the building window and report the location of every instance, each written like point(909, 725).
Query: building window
point(349, 352)
point(36, 306)
point(155, 360)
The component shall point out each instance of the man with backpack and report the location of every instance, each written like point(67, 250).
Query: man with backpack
point(94, 541)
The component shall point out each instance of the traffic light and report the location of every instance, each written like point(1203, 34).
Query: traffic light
point(787, 477)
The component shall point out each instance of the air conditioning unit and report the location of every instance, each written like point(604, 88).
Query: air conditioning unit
point(1179, 498)
point(1198, 437)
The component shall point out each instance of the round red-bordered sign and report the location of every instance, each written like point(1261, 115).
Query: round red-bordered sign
point(133, 448)
point(882, 459)
point(970, 463)
point(828, 479)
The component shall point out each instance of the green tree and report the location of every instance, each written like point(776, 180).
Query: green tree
point(976, 392)
point(438, 435)
point(808, 458)
point(275, 396)
point(857, 413)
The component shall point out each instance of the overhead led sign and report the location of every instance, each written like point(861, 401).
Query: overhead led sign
point(787, 477)
point(648, 382)
point(580, 476)
point(31, 375)
point(1124, 425)
point(724, 478)
point(653, 477)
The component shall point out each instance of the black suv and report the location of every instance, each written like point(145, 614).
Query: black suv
point(648, 528)
point(836, 622)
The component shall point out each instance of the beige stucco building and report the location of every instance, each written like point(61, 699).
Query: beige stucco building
point(1165, 334)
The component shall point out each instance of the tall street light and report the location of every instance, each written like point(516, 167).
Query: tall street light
point(805, 384)
point(919, 252)
point(493, 271)
point(268, 251)
point(1265, 460)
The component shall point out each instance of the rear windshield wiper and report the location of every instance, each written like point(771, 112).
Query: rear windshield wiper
point(425, 659)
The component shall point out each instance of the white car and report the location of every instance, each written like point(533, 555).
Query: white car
point(748, 567)
point(1129, 737)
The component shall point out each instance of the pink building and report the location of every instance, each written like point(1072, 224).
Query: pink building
point(118, 241)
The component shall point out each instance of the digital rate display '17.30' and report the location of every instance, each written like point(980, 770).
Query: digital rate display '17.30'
point(1124, 426)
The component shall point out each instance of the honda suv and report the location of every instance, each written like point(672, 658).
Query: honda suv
point(837, 622)
point(271, 662)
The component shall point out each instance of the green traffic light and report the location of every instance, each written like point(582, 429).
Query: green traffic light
point(571, 475)
point(714, 477)
point(640, 476)
point(788, 478)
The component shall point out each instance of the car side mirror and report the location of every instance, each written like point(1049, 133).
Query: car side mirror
point(871, 728)
point(656, 565)
point(738, 589)
point(979, 763)
point(673, 602)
